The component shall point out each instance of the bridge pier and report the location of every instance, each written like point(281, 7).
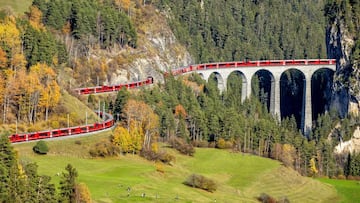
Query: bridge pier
point(275, 97)
point(306, 117)
point(247, 69)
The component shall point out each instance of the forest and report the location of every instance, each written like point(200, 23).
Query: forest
point(186, 112)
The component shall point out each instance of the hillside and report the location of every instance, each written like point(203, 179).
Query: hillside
point(240, 177)
point(17, 6)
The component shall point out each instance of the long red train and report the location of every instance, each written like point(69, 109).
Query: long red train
point(107, 122)
point(114, 88)
point(235, 64)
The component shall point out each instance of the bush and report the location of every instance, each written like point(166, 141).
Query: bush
point(104, 149)
point(181, 146)
point(265, 198)
point(161, 156)
point(201, 182)
point(41, 147)
point(159, 167)
point(220, 143)
point(78, 142)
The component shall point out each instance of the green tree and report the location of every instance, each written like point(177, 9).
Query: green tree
point(119, 104)
point(67, 188)
point(41, 147)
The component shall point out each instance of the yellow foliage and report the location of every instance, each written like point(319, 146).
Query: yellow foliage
point(160, 167)
point(3, 58)
point(221, 143)
point(122, 138)
point(10, 35)
point(155, 147)
point(288, 155)
point(141, 120)
point(313, 169)
point(35, 16)
point(82, 193)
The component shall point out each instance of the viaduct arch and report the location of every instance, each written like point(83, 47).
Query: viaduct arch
point(276, 68)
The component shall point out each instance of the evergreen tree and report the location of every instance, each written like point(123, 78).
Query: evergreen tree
point(119, 104)
point(8, 170)
point(68, 185)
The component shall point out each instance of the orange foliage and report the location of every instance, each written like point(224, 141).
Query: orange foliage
point(180, 111)
point(3, 59)
point(35, 16)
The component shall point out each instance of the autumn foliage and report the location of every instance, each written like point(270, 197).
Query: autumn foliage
point(31, 92)
point(140, 128)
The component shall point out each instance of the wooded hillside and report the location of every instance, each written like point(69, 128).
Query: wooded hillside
point(227, 30)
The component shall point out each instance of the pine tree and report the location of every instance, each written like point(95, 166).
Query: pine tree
point(7, 173)
point(119, 105)
point(68, 185)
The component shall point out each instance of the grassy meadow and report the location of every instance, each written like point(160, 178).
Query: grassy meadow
point(348, 190)
point(239, 177)
point(18, 6)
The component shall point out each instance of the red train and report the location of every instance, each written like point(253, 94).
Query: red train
point(113, 88)
point(236, 64)
point(108, 122)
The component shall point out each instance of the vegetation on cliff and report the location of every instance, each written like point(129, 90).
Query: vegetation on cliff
point(228, 30)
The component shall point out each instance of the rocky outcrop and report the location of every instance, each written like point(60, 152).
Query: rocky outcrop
point(339, 46)
point(157, 51)
point(351, 146)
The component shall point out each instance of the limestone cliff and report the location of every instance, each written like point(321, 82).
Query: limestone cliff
point(157, 51)
point(340, 43)
point(350, 146)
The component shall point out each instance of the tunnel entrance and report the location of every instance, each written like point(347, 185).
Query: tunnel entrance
point(321, 90)
point(291, 94)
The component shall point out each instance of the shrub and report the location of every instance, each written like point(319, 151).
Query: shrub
point(265, 198)
point(181, 146)
point(104, 149)
point(41, 147)
point(159, 167)
point(161, 156)
point(201, 182)
point(220, 143)
point(78, 142)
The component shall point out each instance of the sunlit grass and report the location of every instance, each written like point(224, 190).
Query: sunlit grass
point(240, 177)
point(18, 6)
point(348, 190)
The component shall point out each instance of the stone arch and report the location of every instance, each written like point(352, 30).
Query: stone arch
point(244, 83)
point(221, 82)
point(267, 84)
point(292, 90)
point(202, 76)
point(321, 90)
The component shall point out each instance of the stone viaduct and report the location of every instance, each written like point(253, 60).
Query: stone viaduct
point(247, 69)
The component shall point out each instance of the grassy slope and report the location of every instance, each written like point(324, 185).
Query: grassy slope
point(19, 6)
point(240, 178)
point(348, 190)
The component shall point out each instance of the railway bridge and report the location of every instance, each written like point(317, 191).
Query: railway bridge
point(276, 68)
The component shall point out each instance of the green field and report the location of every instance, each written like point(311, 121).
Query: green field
point(240, 177)
point(18, 6)
point(349, 191)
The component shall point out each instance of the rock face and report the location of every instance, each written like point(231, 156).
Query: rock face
point(339, 46)
point(157, 51)
point(353, 145)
